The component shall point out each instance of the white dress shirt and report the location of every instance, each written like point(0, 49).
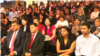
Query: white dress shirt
point(64, 23)
point(87, 46)
point(12, 39)
point(24, 28)
point(12, 15)
point(49, 8)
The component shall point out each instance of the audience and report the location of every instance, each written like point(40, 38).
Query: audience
point(55, 20)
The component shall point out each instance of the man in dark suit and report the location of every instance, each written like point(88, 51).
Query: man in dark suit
point(49, 7)
point(96, 29)
point(14, 41)
point(52, 17)
point(34, 42)
point(83, 7)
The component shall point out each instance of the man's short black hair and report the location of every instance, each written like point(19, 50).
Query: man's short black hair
point(36, 18)
point(34, 24)
point(97, 18)
point(52, 11)
point(86, 24)
point(17, 22)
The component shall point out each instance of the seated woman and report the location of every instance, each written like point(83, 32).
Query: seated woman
point(66, 44)
point(49, 29)
point(25, 25)
point(69, 17)
point(76, 27)
point(81, 15)
point(95, 13)
point(4, 21)
point(62, 22)
point(41, 19)
point(57, 15)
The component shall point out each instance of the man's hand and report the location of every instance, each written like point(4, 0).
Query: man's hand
point(12, 54)
point(2, 40)
point(0, 51)
point(27, 54)
point(96, 32)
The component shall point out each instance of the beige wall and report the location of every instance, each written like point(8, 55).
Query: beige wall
point(29, 2)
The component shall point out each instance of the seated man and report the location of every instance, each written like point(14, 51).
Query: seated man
point(96, 29)
point(40, 26)
point(14, 41)
point(34, 42)
point(87, 44)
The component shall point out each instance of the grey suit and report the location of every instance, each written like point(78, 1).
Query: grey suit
point(18, 43)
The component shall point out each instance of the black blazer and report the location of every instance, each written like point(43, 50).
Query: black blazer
point(37, 46)
point(53, 20)
point(27, 28)
point(47, 9)
point(18, 44)
point(3, 32)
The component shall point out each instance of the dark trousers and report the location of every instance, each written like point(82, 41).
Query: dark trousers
point(4, 53)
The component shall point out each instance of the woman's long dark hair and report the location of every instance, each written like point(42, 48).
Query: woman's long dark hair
point(42, 15)
point(70, 35)
point(4, 16)
point(46, 26)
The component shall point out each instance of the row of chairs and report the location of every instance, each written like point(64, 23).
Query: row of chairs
point(49, 48)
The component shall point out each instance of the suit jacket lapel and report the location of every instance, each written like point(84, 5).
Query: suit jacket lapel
point(36, 37)
point(18, 34)
point(10, 37)
point(29, 39)
point(30, 36)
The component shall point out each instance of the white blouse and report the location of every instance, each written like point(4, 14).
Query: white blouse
point(94, 15)
point(64, 23)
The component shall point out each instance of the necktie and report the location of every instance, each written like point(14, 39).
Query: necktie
point(31, 41)
point(12, 43)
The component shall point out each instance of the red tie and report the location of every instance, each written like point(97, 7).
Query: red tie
point(12, 43)
point(31, 41)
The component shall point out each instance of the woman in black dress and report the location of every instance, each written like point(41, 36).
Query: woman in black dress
point(66, 43)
